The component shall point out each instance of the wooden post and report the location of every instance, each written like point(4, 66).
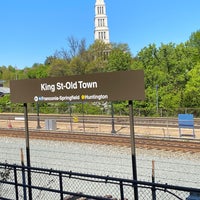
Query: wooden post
point(153, 181)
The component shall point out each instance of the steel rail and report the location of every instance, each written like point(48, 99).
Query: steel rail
point(159, 143)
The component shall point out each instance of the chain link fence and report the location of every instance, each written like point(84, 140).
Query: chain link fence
point(15, 184)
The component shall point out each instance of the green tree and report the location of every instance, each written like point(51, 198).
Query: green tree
point(97, 56)
point(119, 58)
point(191, 96)
point(194, 44)
point(37, 71)
point(59, 67)
point(78, 66)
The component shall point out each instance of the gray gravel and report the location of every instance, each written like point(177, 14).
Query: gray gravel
point(170, 167)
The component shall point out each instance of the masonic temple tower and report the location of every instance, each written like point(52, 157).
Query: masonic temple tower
point(101, 31)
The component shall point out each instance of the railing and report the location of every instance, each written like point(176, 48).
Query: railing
point(165, 127)
point(63, 185)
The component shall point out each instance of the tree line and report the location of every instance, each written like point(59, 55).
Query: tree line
point(172, 71)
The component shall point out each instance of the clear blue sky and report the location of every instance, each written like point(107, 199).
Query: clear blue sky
point(32, 30)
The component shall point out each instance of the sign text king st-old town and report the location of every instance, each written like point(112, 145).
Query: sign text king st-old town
point(122, 85)
point(68, 86)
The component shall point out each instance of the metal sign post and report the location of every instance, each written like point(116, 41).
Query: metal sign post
point(70, 115)
point(133, 148)
point(113, 131)
point(27, 150)
point(38, 115)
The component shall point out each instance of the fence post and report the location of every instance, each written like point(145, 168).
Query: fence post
point(83, 117)
point(113, 120)
point(61, 186)
point(16, 184)
point(121, 190)
point(153, 181)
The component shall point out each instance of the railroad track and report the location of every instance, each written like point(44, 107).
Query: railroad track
point(170, 144)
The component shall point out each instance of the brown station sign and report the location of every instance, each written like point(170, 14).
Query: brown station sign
point(110, 86)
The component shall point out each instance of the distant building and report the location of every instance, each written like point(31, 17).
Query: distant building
point(3, 90)
point(101, 31)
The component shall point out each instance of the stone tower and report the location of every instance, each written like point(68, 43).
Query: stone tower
point(101, 31)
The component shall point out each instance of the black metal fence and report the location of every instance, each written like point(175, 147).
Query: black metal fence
point(91, 108)
point(20, 182)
